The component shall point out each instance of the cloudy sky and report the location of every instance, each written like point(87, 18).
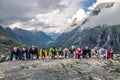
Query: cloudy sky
point(107, 16)
point(50, 16)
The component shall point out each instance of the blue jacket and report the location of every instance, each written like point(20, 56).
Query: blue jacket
point(26, 53)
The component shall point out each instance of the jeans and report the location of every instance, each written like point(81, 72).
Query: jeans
point(33, 56)
point(79, 55)
point(72, 55)
point(86, 56)
point(16, 57)
point(53, 55)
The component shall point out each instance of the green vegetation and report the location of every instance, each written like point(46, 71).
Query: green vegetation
point(6, 42)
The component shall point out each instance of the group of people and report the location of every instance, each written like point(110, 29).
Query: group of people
point(59, 53)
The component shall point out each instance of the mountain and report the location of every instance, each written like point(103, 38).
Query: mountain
point(54, 36)
point(101, 35)
point(37, 38)
point(18, 37)
point(98, 9)
point(7, 42)
point(101, 6)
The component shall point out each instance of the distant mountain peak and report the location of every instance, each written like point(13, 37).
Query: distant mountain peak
point(101, 6)
point(29, 37)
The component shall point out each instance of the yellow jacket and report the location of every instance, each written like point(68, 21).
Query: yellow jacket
point(42, 54)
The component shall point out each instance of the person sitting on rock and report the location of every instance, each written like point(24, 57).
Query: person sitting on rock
point(15, 54)
point(79, 53)
point(66, 53)
point(103, 53)
point(53, 52)
point(24, 53)
point(33, 53)
point(43, 53)
point(86, 52)
point(72, 52)
point(94, 53)
point(60, 53)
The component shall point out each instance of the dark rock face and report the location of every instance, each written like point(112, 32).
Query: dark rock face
point(68, 69)
point(99, 36)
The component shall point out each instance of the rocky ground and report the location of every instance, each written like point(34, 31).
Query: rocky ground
point(67, 69)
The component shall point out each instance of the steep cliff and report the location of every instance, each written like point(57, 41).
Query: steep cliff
point(108, 36)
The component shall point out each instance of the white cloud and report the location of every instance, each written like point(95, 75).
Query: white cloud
point(80, 16)
point(56, 20)
point(107, 16)
point(48, 16)
point(17, 24)
point(101, 1)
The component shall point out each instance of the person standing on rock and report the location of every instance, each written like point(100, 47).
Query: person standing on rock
point(72, 52)
point(15, 54)
point(86, 52)
point(33, 53)
point(24, 54)
point(79, 53)
point(53, 52)
point(43, 53)
point(103, 53)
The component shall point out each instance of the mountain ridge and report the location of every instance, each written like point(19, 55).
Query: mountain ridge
point(7, 42)
point(18, 37)
point(100, 36)
point(29, 37)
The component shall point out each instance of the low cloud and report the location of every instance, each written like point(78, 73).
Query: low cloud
point(101, 1)
point(79, 17)
point(107, 16)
